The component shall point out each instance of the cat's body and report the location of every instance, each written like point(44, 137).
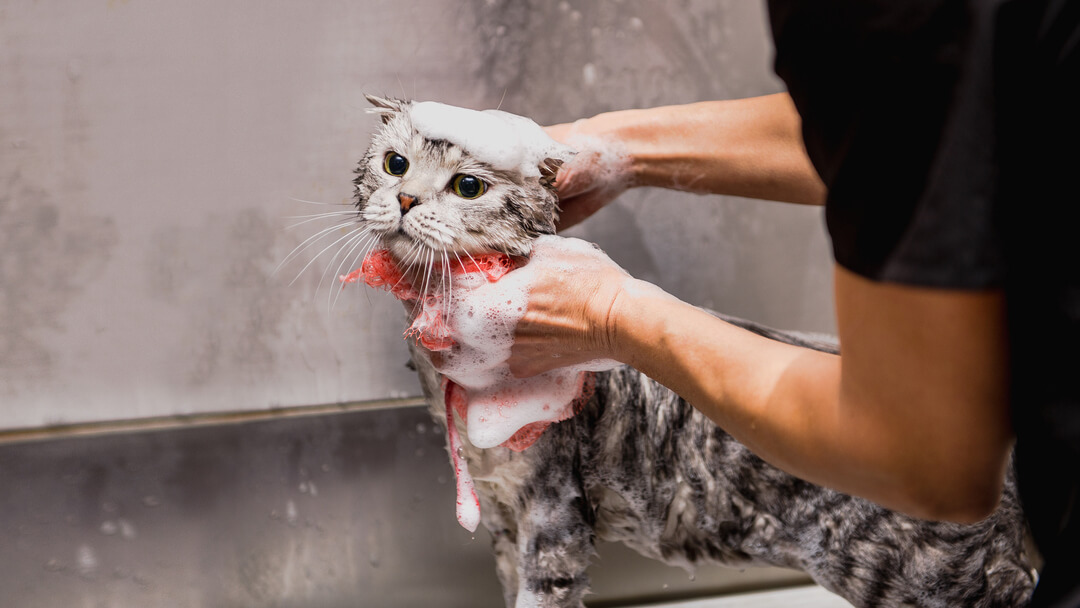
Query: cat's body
point(639, 465)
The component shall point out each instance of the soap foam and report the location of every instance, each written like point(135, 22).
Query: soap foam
point(468, 503)
point(475, 337)
point(505, 141)
point(482, 322)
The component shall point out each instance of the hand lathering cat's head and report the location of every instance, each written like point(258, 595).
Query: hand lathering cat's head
point(421, 193)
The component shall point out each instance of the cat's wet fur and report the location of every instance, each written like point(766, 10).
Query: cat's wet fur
point(639, 465)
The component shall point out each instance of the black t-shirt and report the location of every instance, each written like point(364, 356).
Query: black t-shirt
point(947, 133)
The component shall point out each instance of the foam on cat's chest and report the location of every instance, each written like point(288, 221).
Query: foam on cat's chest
point(473, 331)
point(506, 142)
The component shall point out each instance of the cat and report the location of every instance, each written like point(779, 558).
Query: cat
point(637, 464)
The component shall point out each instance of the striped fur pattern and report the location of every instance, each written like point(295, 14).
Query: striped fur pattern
point(639, 465)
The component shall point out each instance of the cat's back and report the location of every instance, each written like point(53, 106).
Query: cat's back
point(669, 483)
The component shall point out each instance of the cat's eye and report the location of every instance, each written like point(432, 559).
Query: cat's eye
point(395, 164)
point(468, 186)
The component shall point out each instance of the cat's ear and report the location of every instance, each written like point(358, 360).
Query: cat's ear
point(386, 107)
point(549, 167)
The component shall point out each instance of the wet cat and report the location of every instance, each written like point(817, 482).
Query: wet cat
point(636, 463)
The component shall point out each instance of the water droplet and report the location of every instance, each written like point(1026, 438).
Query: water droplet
point(419, 452)
point(326, 468)
point(421, 428)
point(127, 530)
point(588, 74)
point(108, 528)
point(86, 561)
point(312, 490)
point(150, 501)
point(53, 565)
point(109, 507)
point(665, 586)
point(291, 514)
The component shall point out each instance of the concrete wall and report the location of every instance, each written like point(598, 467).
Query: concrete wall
point(150, 152)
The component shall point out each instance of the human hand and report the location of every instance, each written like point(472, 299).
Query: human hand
point(572, 289)
point(550, 313)
point(598, 174)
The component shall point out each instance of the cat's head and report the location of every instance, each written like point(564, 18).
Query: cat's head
point(427, 186)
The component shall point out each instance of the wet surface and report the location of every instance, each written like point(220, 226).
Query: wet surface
point(349, 509)
point(152, 152)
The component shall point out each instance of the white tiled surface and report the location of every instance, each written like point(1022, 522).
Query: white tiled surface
point(810, 596)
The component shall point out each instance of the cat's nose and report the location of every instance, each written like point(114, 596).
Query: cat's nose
point(407, 202)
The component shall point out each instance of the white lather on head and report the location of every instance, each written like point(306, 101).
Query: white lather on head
point(506, 142)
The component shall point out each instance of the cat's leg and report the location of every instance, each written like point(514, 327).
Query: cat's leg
point(502, 525)
point(555, 542)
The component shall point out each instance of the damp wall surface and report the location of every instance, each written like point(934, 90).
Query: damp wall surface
point(182, 423)
point(151, 153)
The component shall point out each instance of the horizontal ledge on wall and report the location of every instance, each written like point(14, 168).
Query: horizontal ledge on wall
point(164, 423)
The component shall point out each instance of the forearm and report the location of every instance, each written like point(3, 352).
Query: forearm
point(744, 147)
point(786, 404)
point(777, 399)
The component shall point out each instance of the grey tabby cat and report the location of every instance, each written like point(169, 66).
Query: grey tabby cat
point(638, 464)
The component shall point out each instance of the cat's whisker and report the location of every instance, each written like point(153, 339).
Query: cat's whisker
point(324, 250)
point(448, 280)
point(353, 238)
point(315, 218)
point(426, 272)
point(362, 246)
point(307, 243)
point(336, 293)
point(300, 200)
point(471, 259)
point(407, 272)
point(322, 214)
point(415, 259)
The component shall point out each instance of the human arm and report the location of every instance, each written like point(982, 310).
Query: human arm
point(912, 416)
point(744, 147)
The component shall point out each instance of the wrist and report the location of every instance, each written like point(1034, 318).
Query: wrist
point(629, 323)
point(620, 137)
point(659, 144)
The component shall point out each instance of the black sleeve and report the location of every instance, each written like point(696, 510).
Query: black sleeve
point(897, 118)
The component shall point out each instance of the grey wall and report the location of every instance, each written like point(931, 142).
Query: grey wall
point(150, 155)
point(150, 151)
